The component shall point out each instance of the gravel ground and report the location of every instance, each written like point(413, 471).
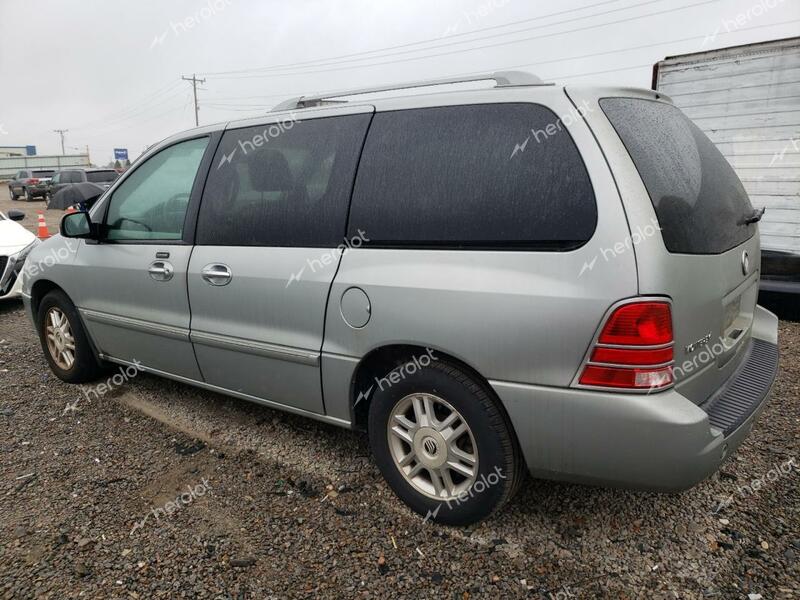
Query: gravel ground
point(285, 507)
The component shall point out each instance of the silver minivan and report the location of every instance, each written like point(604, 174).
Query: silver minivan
point(489, 281)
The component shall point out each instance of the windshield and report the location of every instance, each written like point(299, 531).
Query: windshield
point(700, 203)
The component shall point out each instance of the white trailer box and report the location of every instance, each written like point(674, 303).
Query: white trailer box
point(747, 100)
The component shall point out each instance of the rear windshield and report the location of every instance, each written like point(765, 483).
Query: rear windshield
point(99, 176)
point(43, 173)
point(699, 201)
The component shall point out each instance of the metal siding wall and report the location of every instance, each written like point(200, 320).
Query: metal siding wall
point(10, 165)
point(748, 103)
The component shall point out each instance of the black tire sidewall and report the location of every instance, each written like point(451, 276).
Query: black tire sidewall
point(85, 368)
point(496, 466)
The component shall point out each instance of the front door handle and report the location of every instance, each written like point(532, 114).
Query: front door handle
point(217, 274)
point(161, 270)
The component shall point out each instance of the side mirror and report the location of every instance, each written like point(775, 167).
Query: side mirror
point(77, 225)
point(15, 215)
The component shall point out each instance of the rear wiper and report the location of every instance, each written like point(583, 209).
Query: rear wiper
point(754, 217)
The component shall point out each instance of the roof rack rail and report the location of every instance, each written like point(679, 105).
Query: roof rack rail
point(501, 79)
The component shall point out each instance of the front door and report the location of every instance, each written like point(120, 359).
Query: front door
point(269, 237)
point(133, 282)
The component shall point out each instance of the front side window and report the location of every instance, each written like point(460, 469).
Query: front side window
point(151, 203)
point(480, 176)
point(285, 184)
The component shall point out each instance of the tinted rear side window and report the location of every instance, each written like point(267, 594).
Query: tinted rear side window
point(481, 176)
point(71, 177)
point(699, 201)
point(286, 184)
point(101, 176)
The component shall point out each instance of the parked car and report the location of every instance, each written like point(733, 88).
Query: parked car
point(29, 184)
point(16, 242)
point(62, 179)
point(534, 277)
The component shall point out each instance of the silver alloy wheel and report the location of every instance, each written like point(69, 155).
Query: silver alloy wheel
point(432, 446)
point(60, 341)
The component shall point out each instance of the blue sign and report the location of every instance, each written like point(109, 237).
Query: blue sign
point(30, 150)
point(120, 154)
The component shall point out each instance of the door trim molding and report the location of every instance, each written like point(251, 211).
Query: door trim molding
point(168, 331)
point(221, 390)
point(225, 342)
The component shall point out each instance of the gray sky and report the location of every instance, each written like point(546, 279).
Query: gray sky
point(109, 72)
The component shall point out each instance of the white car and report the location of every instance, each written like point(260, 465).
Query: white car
point(16, 242)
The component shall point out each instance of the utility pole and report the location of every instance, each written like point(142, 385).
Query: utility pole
point(194, 81)
point(61, 132)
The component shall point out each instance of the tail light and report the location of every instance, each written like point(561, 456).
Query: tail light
point(634, 349)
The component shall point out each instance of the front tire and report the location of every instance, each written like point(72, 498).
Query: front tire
point(11, 193)
point(64, 341)
point(27, 193)
point(443, 443)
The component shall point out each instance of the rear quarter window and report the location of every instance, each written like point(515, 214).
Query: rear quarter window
point(699, 201)
point(481, 176)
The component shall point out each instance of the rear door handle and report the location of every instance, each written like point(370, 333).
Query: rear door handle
point(161, 270)
point(217, 274)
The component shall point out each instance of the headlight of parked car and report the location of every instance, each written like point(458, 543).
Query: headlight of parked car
point(20, 256)
point(16, 262)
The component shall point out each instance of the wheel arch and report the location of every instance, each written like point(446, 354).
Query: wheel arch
point(379, 361)
point(38, 291)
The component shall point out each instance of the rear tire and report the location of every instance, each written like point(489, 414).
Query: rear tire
point(27, 193)
point(64, 341)
point(443, 444)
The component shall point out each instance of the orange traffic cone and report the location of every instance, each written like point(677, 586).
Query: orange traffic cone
point(43, 233)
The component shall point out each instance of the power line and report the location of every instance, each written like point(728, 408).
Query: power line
point(409, 44)
point(530, 64)
point(485, 46)
point(131, 109)
point(136, 113)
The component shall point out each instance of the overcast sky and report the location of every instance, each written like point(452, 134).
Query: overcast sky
point(110, 71)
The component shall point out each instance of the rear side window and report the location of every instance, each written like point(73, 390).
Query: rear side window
point(482, 176)
point(699, 201)
point(101, 176)
point(71, 177)
point(285, 184)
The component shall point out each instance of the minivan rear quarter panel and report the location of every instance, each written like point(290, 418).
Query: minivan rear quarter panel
point(534, 312)
point(702, 286)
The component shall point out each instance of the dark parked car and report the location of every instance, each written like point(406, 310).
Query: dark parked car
point(102, 177)
point(30, 184)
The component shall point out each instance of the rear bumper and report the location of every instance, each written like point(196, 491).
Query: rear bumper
point(660, 442)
